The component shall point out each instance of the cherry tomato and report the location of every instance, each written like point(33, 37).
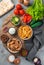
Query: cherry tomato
point(26, 14)
point(24, 20)
point(16, 12)
point(21, 12)
point(29, 18)
point(18, 6)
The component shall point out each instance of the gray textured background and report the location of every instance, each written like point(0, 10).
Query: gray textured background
point(4, 53)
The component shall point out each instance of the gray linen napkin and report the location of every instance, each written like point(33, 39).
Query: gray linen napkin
point(37, 41)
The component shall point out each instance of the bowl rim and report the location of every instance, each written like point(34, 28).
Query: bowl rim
point(18, 22)
point(11, 50)
point(26, 38)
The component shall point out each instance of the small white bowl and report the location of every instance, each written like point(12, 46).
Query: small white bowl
point(12, 31)
point(11, 58)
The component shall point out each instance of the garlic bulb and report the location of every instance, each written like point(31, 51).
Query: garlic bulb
point(21, 1)
point(26, 2)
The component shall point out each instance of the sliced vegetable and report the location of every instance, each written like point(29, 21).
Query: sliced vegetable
point(15, 20)
point(37, 24)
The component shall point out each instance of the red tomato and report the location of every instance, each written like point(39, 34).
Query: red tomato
point(26, 14)
point(22, 12)
point(16, 12)
point(29, 18)
point(24, 19)
point(18, 6)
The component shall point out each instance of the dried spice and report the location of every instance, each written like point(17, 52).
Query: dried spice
point(24, 52)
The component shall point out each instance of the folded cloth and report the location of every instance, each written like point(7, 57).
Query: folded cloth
point(34, 49)
point(38, 42)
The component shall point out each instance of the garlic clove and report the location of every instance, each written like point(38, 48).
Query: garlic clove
point(26, 2)
point(21, 1)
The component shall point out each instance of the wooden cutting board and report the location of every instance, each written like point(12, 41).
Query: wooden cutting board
point(7, 23)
